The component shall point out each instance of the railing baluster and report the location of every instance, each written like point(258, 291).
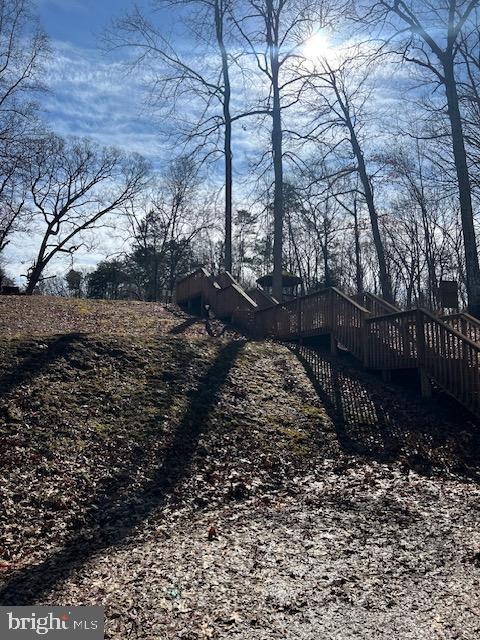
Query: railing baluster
point(447, 350)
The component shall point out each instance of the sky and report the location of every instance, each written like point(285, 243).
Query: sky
point(90, 94)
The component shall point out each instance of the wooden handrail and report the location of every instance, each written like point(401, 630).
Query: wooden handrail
point(350, 300)
point(380, 301)
point(462, 314)
point(415, 338)
point(390, 316)
point(193, 273)
point(227, 278)
point(312, 294)
point(244, 295)
point(465, 323)
point(453, 331)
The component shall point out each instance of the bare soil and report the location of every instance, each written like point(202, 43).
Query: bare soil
point(204, 487)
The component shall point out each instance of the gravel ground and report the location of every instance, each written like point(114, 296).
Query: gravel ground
point(220, 488)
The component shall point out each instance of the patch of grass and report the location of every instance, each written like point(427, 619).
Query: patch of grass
point(101, 428)
point(83, 307)
point(313, 413)
point(296, 440)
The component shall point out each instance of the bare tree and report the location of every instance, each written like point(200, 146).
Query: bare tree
point(427, 33)
point(14, 215)
point(348, 196)
point(23, 53)
point(163, 235)
point(181, 79)
point(339, 108)
point(274, 33)
point(73, 185)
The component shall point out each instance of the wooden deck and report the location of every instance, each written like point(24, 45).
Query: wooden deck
point(445, 350)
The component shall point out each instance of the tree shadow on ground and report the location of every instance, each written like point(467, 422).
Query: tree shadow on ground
point(112, 519)
point(183, 326)
point(35, 357)
point(385, 423)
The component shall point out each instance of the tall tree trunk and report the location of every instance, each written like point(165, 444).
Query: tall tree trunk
point(385, 282)
point(296, 253)
point(464, 188)
point(228, 197)
point(358, 251)
point(155, 275)
point(277, 152)
point(219, 17)
point(34, 278)
point(39, 265)
point(429, 255)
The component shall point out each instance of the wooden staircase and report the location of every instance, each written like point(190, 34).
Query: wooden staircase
point(444, 350)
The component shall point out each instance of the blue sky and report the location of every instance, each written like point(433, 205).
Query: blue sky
point(90, 93)
point(78, 21)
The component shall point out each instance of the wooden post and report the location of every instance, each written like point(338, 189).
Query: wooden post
point(333, 345)
point(425, 384)
point(299, 318)
point(331, 322)
point(331, 310)
point(366, 342)
point(420, 337)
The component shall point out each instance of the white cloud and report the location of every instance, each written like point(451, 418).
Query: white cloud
point(92, 96)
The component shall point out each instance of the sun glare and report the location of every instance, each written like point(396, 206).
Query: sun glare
point(317, 46)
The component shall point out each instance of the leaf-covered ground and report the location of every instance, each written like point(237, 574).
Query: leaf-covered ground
point(205, 487)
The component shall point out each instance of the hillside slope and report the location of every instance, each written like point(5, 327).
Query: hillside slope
point(203, 487)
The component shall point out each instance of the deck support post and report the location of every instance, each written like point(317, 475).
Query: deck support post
point(299, 319)
point(333, 345)
point(425, 384)
point(365, 343)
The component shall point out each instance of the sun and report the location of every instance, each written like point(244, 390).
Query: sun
point(317, 46)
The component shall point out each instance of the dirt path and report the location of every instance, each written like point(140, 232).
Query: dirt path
point(205, 488)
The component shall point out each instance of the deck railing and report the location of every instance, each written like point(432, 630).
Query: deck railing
point(375, 304)
point(234, 304)
point(278, 321)
point(305, 316)
point(452, 360)
point(199, 284)
point(348, 322)
point(446, 351)
point(391, 341)
point(465, 324)
point(261, 297)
